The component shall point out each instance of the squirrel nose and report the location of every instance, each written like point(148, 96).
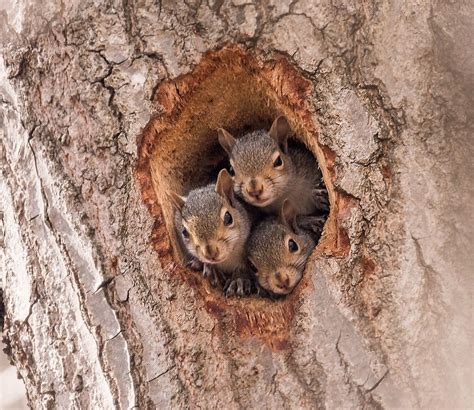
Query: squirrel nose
point(283, 282)
point(211, 252)
point(254, 189)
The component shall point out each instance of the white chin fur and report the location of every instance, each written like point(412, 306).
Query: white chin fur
point(280, 292)
point(259, 203)
point(203, 259)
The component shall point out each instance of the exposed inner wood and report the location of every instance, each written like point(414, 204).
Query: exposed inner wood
point(179, 150)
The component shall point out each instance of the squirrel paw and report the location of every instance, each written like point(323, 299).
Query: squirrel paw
point(195, 264)
point(210, 273)
point(321, 200)
point(237, 287)
point(312, 223)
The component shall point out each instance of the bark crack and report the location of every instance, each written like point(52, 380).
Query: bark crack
point(161, 374)
point(43, 193)
point(377, 383)
point(431, 293)
point(365, 398)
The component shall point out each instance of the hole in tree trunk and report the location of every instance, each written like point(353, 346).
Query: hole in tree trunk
point(179, 151)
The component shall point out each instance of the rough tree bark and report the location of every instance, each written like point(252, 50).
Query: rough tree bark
point(93, 319)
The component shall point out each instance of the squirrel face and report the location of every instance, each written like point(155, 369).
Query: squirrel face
point(262, 168)
point(212, 224)
point(278, 250)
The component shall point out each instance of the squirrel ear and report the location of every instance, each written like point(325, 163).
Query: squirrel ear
point(280, 131)
point(226, 140)
point(177, 200)
point(225, 186)
point(287, 215)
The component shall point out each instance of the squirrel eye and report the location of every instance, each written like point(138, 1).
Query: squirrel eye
point(252, 267)
point(231, 170)
point(185, 233)
point(278, 162)
point(292, 246)
point(227, 219)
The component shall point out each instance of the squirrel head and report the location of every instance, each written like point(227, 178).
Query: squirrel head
point(210, 220)
point(278, 250)
point(260, 161)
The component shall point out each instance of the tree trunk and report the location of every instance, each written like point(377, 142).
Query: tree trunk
point(106, 106)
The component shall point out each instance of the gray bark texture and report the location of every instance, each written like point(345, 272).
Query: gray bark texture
point(94, 318)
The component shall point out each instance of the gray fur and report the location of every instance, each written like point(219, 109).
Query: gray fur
point(252, 153)
point(202, 214)
point(267, 246)
point(203, 204)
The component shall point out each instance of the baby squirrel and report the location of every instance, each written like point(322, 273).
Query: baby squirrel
point(267, 171)
point(277, 252)
point(214, 227)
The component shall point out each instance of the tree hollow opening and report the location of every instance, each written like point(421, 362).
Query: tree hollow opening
point(179, 151)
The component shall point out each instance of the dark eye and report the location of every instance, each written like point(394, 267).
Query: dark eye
point(292, 246)
point(278, 162)
point(252, 267)
point(227, 219)
point(231, 170)
point(185, 233)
